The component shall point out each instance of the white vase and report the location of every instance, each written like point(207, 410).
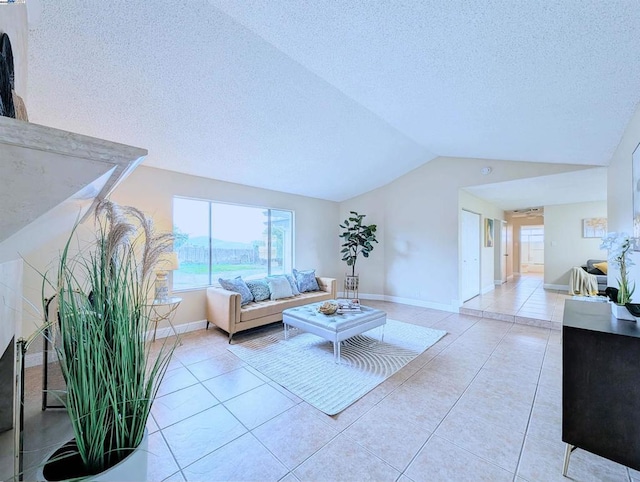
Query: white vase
point(621, 312)
point(131, 468)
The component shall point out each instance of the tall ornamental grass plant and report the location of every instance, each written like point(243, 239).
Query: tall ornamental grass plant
point(112, 374)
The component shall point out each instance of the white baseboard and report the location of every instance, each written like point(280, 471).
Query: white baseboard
point(548, 286)
point(452, 308)
point(362, 296)
point(35, 359)
point(487, 288)
point(180, 329)
point(367, 296)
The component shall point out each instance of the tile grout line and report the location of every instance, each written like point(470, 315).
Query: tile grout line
point(402, 471)
point(533, 403)
point(456, 403)
point(172, 455)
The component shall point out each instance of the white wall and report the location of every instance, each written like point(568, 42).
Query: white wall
point(564, 246)
point(152, 191)
point(388, 248)
point(419, 215)
point(620, 195)
point(316, 226)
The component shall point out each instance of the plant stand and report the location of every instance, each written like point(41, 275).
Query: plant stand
point(351, 284)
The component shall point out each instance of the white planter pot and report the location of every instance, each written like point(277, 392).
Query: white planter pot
point(621, 312)
point(132, 468)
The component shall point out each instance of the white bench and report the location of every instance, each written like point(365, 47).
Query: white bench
point(334, 328)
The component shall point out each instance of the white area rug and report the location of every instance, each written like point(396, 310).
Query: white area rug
point(305, 366)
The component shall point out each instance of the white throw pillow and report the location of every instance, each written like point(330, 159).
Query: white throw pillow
point(279, 288)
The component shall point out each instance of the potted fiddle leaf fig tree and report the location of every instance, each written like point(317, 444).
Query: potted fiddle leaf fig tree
point(358, 239)
point(112, 373)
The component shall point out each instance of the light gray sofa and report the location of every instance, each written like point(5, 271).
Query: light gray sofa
point(602, 278)
point(224, 310)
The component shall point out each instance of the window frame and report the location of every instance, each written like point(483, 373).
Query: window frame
point(210, 203)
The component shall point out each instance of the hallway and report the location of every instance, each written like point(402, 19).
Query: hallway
point(522, 300)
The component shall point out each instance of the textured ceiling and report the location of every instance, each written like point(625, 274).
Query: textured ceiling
point(332, 99)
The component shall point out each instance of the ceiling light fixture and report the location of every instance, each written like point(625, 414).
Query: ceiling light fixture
point(485, 171)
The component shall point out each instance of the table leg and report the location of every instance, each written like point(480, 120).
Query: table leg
point(155, 328)
point(382, 337)
point(286, 331)
point(567, 454)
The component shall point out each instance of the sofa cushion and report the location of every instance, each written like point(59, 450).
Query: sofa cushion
point(279, 288)
point(293, 283)
point(306, 280)
point(601, 266)
point(239, 286)
point(259, 289)
point(290, 279)
point(592, 262)
point(267, 308)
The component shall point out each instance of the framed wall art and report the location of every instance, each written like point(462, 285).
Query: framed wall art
point(594, 227)
point(488, 233)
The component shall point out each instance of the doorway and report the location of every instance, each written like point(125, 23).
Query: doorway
point(500, 253)
point(532, 249)
point(469, 255)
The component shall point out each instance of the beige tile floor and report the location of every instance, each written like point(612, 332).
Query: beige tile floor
point(484, 403)
point(523, 300)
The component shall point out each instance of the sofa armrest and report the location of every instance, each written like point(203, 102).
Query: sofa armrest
point(223, 308)
point(329, 285)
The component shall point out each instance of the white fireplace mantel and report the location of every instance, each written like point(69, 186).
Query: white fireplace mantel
point(42, 167)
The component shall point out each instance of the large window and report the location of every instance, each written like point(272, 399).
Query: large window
point(531, 248)
point(218, 240)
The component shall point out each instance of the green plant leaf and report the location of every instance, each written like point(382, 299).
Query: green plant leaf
point(111, 376)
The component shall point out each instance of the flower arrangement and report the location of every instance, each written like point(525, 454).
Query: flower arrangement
point(619, 246)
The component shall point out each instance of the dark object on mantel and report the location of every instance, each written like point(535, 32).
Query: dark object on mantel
point(612, 294)
point(634, 309)
point(7, 80)
point(7, 53)
point(600, 383)
point(6, 96)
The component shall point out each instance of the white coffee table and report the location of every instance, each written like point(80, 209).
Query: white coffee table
point(334, 328)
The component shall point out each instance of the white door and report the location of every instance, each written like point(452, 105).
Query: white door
point(509, 252)
point(470, 255)
point(500, 254)
point(504, 252)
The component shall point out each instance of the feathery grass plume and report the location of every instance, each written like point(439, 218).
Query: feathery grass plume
point(111, 373)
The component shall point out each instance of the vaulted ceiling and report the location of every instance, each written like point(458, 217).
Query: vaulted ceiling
point(334, 98)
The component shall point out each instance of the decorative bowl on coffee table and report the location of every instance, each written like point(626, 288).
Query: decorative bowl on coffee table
point(328, 308)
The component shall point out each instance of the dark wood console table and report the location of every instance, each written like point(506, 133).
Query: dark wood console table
point(600, 383)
